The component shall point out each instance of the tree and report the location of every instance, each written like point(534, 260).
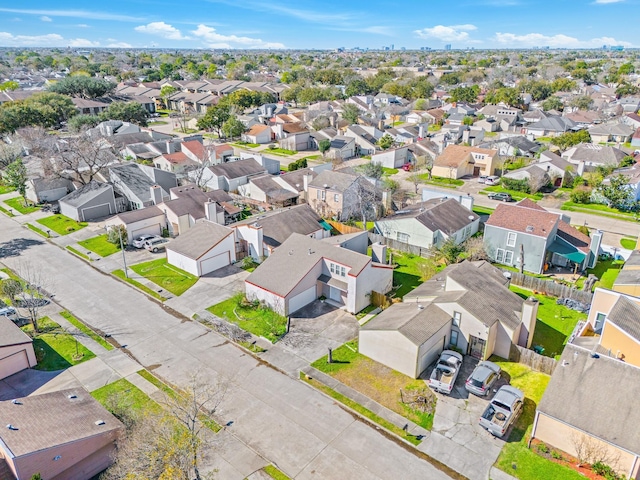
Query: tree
point(214, 118)
point(34, 292)
point(626, 89)
point(165, 92)
point(80, 123)
point(422, 162)
point(616, 191)
point(324, 146)
point(449, 251)
point(465, 94)
point(582, 102)
point(46, 109)
point(552, 103)
point(507, 95)
point(82, 157)
point(569, 139)
point(132, 112)
point(9, 85)
point(372, 170)
point(468, 120)
point(83, 87)
point(350, 113)
point(117, 234)
point(627, 161)
point(385, 142)
point(233, 127)
point(15, 176)
point(563, 85)
point(11, 288)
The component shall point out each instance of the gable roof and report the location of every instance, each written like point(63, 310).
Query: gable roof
point(238, 168)
point(189, 200)
point(573, 236)
point(554, 123)
point(133, 216)
point(85, 193)
point(626, 315)
point(199, 239)
point(443, 214)
point(336, 181)
point(257, 129)
point(135, 179)
point(581, 390)
point(521, 217)
point(295, 179)
point(196, 148)
point(589, 152)
point(458, 154)
point(11, 334)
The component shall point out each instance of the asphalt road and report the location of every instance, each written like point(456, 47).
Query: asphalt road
point(275, 418)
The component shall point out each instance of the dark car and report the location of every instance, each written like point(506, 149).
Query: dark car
point(501, 196)
point(483, 377)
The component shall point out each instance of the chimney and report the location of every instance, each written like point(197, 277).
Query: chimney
point(594, 248)
point(156, 194)
point(306, 178)
point(379, 253)
point(386, 201)
point(210, 208)
point(421, 131)
point(529, 315)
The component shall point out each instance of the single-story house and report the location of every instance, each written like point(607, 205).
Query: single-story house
point(587, 157)
point(41, 190)
point(91, 201)
point(229, 176)
point(266, 189)
point(204, 248)
point(60, 435)
point(342, 147)
point(257, 134)
point(391, 158)
point(468, 306)
point(429, 223)
point(146, 221)
point(550, 126)
point(535, 175)
point(614, 132)
point(302, 269)
point(16, 349)
point(458, 161)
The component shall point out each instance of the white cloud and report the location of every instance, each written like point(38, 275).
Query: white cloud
point(161, 29)
point(119, 45)
point(75, 14)
point(604, 2)
point(214, 39)
point(44, 18)
point(451, 33)
point(47, 40)
point(82, 42)
point(82, 25)
point(559, 40)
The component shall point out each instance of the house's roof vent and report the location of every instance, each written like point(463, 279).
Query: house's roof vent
point(529, 228)
point(11, 427)
point(99, 422)
point(72, 396)
point(420, 307)
point(326, 186)
point(16, 402)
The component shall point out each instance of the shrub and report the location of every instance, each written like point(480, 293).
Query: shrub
point(583, 229)
point(606, 471)
point(581, 195)
point(298, 164)
point(70, 228)
point(557, 455)
point(543, 448)
point(517, 185)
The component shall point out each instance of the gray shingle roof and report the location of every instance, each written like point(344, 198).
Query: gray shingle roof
point(239, 168)
point(336, 181)
point(199, 239)
point(10, 333)
point(131, 175)
point(85, 193)
point(554, 123)
point(626, 315)
point(140, 214)
point(596, 395)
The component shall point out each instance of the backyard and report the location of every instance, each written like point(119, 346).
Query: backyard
point(100, 245)
point(166, 276)
point(606, 270)
point(61, 225)
point(251, 316)
point(409, 272)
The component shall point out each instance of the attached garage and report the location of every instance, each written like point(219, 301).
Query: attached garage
point(16, 349)
point(146, 221)
point(91, 201)
point(96, 211)
point(302, 299)
point(202, 249)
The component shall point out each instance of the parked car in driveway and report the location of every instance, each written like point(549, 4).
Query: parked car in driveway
point(482, 178)
point(155, 244)
point(492, 180)
point(503, 410)
point(9, 312)
point(500, 196)
point(444, 375)
point(483, 377)
point(142, 239)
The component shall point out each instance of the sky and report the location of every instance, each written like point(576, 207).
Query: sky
point(319, 24)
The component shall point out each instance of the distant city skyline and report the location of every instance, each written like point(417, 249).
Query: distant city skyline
point(279, 24)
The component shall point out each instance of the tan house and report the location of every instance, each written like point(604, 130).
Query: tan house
point(628, 280)
point(457, 161)
point(334, 193)
point(61, 435)
point(16, 349)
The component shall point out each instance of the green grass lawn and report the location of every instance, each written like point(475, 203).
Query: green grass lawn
point(37, 230)
point(56, 349)
point(123, 395)
point(78, 253)
point(389, 171)
point(157, 122)
point(6, 212)
point(514, 194)
point(607, 271)
point(599, 209)
point(254, 319)
point(280, 151)
point(61, 224)
point(370, 225)
point(408, 273)
point(555, 322)
point(376, 381)
point(100, 245)
point(120, 274)
point(273, 472)
point(629, 243)
point(478, 210)
point(5, 189)
point(85, 329)
point(441, 181)
point(18, 204)
point(245, 144)
point(528, 465)
point(167, 276)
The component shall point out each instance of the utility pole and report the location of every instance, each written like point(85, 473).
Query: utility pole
point(124, 259)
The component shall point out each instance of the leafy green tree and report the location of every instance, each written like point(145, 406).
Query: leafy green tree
point(616, 191)
point(83, 87)
point(46, 109)
point(9, 85)
point(372, 170)
point(324, 146)
point(385, 142)
point(627, 161)
point(507, 95)
point(569, 139)
point(552, 103)
point(81, 123)
point(563, 85)
point(468, 120)
point(626, 69)
point(127, 112)
point(116, 233)
point(233, 127)
point(11, 288)
point(350, 113)
point(214, 118)
point(449, 251)
point(465, 94)
point(15, 176)
point(165, 92)
point(582, 102)
point(357, 86)
point(538, 89)
point(451, 78)
point(626, 89)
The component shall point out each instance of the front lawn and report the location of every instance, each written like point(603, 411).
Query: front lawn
point(280, 151)
point(441, 181)
point(166, 276)
point(516, 195)
point(56, 349)
point(378, 382)
point(18, 204)
point(478, 210)
point(123, 396)
point(100, 245)
point(600, 210)
point(120, 274)
point(251, 316)
point(62, 225)
point(555, 322)
point(389, 171)
point(85, 329)
point(5, 189)
point(629, 243)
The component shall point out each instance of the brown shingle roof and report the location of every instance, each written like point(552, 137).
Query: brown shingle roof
point(256, 129)
point(10, 333)
point(457, 154)
point(573, 236)
point(519, 218)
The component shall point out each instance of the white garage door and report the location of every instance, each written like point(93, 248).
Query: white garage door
point(429, 357)
point(154, 229)
point(302, 300)
point(212, 264)
point(13, 363)
point(90, 213)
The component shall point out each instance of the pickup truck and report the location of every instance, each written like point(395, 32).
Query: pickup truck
point(443, 377)
point(502, 411)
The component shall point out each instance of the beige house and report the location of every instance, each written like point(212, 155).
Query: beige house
point(16, 349)
point(628, 280)
point(457, 161)
point(337, 194)
point(61, 435)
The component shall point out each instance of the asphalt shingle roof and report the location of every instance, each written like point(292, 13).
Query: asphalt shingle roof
point(239, 168)
point(626, 315)
point(199, 239)
point(10, 333)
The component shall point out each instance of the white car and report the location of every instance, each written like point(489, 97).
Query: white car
point(156, 244)
point(9, 312)
point(142, 239)
point(492, 180)
point(482, 179)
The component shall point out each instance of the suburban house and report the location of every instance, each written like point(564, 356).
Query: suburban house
point(342, 147)
point(229, 176)
point(177, 162)
point(146, 221)
point(586, 157)
point(468, 305)
point(141, 185)
point(91, 201)
point(366, 138)
point(258, 134)
point(392, 157)
point(545, 239)
point(267, 189)
point(551, 126)
point(458, 161)
point(259, 235)
point(628, 280)
point(41, 190)
point(16, 349)
point(429, 223)
point(591, 403)
point(556, 167)
point(204, 248)
point(302, 269)
point(632, 177)
point(335, 193)
point(517, 145)
point(535, 175)
point(611, 132)
point(60, 435)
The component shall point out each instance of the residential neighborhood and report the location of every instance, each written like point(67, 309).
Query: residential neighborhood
point(344, 263)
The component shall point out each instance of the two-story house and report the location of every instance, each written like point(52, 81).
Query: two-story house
point(337, 194)
point(457, 161)
point(229, 176)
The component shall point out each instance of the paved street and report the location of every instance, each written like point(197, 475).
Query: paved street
point(275, 417)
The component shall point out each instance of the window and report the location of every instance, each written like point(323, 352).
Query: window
point(454, 338)
point(343, 272)
point(600, 318)
point(336, 197)
point(499, 255)
point(337, 269)
point(402, 237)
point(332, 266)
point(508, 257)
point(323, 194)
point(457, 316)
point(511, 239)
point(318, 194)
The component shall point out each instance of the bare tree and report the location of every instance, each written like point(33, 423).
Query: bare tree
point(422, 163)
point(196, 172)
point(81, 158)
point(34, 294)
point(590, 450)
point(361, 199)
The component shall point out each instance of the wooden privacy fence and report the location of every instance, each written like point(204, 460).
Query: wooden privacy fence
point(535, 361)
point(400, 246)
point(380, 300)
point(342, 228)
point(550, 287)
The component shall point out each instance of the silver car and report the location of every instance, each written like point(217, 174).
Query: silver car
point(156, 244)
point(483, 377)
point(140, 241)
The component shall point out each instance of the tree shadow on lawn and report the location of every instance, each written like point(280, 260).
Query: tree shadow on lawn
point(404, 282)
point(548, 337)
point(48, 358)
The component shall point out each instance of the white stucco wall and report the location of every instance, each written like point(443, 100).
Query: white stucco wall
point(389, 348)
point(178, 260)
point(272, 300)
point(379, 279)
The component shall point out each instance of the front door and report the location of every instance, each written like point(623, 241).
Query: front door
point(476, 346)
point(476, 171)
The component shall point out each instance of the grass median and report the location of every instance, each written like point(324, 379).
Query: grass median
point(120, 274)
point(85, 329)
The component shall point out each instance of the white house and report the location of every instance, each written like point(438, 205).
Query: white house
point(391, 158)
point(229, 176)
point(146, 221)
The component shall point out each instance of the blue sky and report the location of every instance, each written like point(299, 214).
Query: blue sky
point(320, 23)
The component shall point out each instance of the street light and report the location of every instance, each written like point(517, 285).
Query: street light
point(124, 259)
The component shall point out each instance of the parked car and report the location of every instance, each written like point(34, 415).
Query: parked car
point(502, 411)
point(492, 180)
point(501, 196)
point(142, 239)
point(9, 312)
point(483, 377)
point(444, 375)
point(155, 244)
point(482, 178)
point(407, 167)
